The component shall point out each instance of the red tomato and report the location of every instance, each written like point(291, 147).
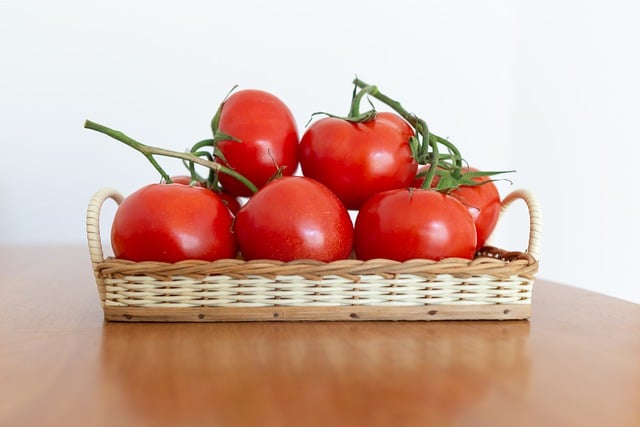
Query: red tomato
point(412, 223)
point(173, 222)
point(268, 137)
point(232, 203)
point(482, 202)
point(294, 218)
point(357, 160)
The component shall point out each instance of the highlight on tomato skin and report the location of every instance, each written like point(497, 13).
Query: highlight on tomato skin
point(293, 218)
point(414, 223)
point(171, 223)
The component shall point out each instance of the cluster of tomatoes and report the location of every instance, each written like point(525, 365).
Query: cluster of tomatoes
point(254, 202)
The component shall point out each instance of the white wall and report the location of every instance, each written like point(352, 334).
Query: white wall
point(506, 81)
point(574, 131)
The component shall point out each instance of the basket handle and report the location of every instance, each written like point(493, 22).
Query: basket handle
point(535, 217)
point(93, 222)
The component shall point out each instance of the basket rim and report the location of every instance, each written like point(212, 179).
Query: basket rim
point(521, 264)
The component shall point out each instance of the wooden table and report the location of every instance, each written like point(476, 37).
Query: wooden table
point(575, 363)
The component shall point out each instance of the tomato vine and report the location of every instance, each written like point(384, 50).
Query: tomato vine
point(149, 152)
point(425, 146)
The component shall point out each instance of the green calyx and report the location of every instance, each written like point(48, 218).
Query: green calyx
point(354, 115)
point(218, 135)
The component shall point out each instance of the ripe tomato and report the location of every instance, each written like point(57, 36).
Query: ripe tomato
point(482, 202)
point(294, 218)
point(357, 160)
point(268, 137)
point(232, 203)
point(412, 223)
point(173, 222)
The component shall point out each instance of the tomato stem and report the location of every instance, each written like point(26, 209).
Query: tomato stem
point(215, 120)
point(452, 148)
point(354, 111)
point(195, 150)
point(435, 158)
point(131, 143)
point(354, 115)
point(149, 151)
point(429, 140)
point(418, 124)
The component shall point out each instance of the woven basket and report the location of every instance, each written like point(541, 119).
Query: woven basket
point(496, 284)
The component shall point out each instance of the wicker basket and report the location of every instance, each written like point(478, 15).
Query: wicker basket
point(495, 285)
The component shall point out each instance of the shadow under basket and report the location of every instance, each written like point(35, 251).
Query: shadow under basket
point(496, 284)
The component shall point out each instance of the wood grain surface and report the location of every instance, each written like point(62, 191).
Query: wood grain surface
point(576, 362)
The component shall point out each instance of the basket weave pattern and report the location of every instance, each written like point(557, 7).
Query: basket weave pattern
point(494, 278)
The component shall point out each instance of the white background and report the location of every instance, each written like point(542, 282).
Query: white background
point(549, 88)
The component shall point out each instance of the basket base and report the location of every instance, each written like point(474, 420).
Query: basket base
point(309, 313)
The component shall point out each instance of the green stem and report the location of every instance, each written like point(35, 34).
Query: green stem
point(149, 151)
point(454, 151)
point(375, 92)
point(195, 150)
point(418, 124)
point(215, 121)
point(131, 143)
point(354, 111)
point(429, 140)
point(435, 155)
point(201, 144)
point(448, 166)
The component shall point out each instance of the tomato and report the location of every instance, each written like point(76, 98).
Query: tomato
point(357, 160)
point(232, 203)
point(173, 222)
point(268, 139)
point(412, 223)
point(482, 201)
point(294, 218)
